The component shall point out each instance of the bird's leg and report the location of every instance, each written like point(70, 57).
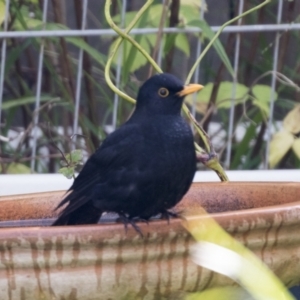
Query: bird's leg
point(126, 220)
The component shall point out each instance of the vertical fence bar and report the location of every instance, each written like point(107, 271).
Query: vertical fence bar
point(38, 91)
point(198, 51)
point(273, 84)
point(79, 77)
point(233, 94)
point(3, 57)
point(119, 69)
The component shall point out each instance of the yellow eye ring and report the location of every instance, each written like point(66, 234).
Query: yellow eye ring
point(163, 92)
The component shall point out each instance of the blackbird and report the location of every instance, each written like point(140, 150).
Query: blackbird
point(143, 168)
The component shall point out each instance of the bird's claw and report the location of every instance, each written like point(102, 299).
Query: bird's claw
point(126, 220)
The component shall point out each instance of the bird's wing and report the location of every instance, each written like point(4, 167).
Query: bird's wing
point(114, 158)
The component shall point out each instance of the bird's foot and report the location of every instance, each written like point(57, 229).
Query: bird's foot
point(126, 220)
point(167, 215)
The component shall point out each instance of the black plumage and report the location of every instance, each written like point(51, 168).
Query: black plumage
point(143, 168)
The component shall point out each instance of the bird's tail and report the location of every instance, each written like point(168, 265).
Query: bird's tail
point(85, 214)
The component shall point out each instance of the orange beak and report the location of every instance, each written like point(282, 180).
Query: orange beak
point(189, 89)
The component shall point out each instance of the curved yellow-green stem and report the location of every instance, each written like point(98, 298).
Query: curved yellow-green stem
point(118, 43)
point(215, 165)
point(200, 130)
point(147, 56)
point(188, 79)
point(134, 43)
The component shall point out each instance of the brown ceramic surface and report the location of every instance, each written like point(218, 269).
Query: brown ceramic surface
point(103, 262)
point(214, 197)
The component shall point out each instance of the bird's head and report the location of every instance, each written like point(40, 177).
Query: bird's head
point(163, 94)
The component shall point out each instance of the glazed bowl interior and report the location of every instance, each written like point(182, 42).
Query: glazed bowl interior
point(39, 209)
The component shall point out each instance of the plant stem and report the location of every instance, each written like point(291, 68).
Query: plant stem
point(212, 162)
point(159, 34)
point(217, 35)
point(173, 22)
point(118, 43)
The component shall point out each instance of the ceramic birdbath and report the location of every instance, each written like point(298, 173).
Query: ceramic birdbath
point(104, 262)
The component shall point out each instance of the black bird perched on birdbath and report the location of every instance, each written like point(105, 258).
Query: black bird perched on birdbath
point(143, 168)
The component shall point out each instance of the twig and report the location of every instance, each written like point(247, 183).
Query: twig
point(280, 77)
point(30, 125)
point(159, 34)
point(56, 147)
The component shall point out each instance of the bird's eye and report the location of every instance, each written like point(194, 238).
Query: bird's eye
point(163, 92)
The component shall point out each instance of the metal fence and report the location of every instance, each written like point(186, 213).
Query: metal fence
point(277, 28)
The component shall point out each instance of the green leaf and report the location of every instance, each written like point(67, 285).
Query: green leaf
point(151, 38)
point(262, 94)
point(169, 43)
point(2, 11)
point(14, 54)
point(281, 143)
point(220, 293)
point(17, 168)
point(128, 17)
point(27, 100)
point(188, 14)
point(224, 96)
point(218, 251)
point(76, 156)
point(24, 22)
point(182, 43)
point(73, 160)
point(193, 3)
point(208, 33)
point(67, 171)
point(152, 17)
point(263, 107)
point(76, 41)
point(291, 122)
point(132, 58)
point(296, 147)
point(80, 43)
point(130, 63)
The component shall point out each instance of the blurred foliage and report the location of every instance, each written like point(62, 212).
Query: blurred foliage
point(16, 168)
point(287, 139)
point(176, 51)
point(188, 16)
point(221, 293)
point(223, 97)
point(218, 251)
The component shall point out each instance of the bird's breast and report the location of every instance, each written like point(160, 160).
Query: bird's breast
point(170, 140)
